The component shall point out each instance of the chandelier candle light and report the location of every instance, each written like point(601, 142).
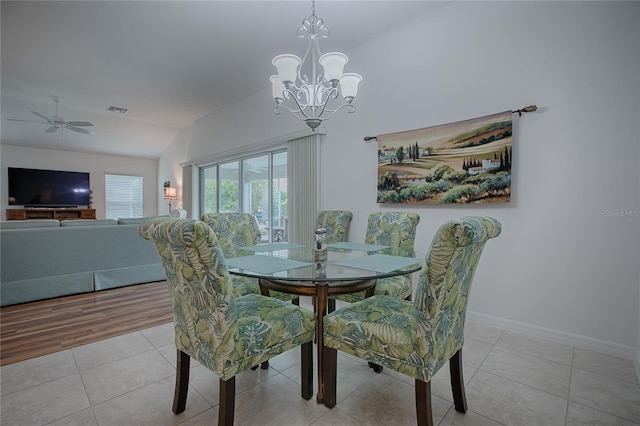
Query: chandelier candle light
point(309, 91)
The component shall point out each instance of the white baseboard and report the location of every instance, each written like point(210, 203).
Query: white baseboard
point(584, 342)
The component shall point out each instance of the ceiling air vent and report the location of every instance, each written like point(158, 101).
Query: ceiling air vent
point(117, 109)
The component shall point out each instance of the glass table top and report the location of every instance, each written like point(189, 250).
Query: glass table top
point(344, 262)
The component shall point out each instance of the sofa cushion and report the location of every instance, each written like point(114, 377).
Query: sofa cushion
point(132, 220)
point(31, 223)
point(88, 222)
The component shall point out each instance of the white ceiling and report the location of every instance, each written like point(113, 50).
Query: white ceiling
point(169, 62)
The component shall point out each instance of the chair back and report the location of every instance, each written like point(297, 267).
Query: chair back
point(204, 309)
point(446, 277)
point(336, 222)
point(233, 229)
point(394, 229)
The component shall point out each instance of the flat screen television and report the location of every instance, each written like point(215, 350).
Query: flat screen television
point(48, 188)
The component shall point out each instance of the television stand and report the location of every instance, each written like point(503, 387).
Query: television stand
point(60, 213)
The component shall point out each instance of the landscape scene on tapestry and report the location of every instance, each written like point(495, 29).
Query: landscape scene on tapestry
point(464, 162)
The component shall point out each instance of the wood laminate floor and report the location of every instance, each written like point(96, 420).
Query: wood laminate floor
point(39, 328)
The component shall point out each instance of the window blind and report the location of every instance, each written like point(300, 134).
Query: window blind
point(124, 196)
point(302, 171)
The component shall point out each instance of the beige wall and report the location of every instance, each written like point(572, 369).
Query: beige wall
point(96, 165)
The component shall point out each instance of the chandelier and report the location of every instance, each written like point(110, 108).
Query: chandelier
point(301, 89)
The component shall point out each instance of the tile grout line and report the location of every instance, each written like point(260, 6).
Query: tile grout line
point(566, 411)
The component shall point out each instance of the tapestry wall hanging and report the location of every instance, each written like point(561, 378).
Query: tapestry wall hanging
point(464, 162)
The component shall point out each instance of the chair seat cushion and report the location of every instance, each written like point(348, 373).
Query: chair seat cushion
point(400, 287)
point(246, 285)
point(265, 328)
point(385, 330)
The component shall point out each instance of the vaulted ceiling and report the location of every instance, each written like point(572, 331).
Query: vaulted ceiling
point(169, 63)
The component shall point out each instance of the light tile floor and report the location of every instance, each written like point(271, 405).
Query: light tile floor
point(511, 379)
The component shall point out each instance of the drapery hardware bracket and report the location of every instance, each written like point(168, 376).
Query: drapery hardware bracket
point(530, 108)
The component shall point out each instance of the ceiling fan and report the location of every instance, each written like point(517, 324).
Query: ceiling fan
point(56, 122)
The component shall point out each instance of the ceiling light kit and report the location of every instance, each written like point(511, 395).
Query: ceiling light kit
point(300, 85)
point(56, 122)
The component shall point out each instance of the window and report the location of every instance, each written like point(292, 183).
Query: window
point(243, 185)
point(124, 196)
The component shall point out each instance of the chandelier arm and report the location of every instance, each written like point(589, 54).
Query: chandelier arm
point(295, 113)
point(333, 111)
point(295, 97)
point(301, 106)
point(333, 94)
point(300, 113)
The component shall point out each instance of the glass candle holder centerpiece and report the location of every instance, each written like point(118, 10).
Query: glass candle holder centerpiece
point(321, 245)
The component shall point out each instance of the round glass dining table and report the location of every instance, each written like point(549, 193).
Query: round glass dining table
point(301, 270)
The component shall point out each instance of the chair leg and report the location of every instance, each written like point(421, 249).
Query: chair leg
point(330, 366)
point(457, 382)
point(226, 406)
point(306, 358)
point(377, 368)
point(331, 305)
point(423, 403)
point(264, 365)
point(182, 382)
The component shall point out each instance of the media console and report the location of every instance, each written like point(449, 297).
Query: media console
point(50, 213)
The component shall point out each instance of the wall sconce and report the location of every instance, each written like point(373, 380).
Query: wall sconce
point(170, 193)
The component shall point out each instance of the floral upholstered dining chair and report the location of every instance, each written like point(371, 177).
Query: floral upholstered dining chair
point(393, 229)
point(336, 223)
point(236, 230)
point(416, 338)
point(224, 333)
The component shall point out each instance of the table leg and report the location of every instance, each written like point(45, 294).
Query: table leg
point(320, 307)
point(322, 294)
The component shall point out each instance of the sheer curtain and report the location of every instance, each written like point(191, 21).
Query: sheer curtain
point(303, 187)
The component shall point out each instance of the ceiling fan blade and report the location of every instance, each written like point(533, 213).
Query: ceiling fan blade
point(51, 129)
point(41, 116)
point(79, 123)
point(79, 130)
point(26, 121)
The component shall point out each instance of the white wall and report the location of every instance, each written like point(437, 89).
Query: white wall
point(96, 165)
point(562, 267)
point(169, 170)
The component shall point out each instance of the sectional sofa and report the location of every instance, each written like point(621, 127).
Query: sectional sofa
point(41, 259)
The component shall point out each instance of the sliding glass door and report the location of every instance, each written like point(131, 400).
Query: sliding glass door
point(255, 184)
point(279, 206)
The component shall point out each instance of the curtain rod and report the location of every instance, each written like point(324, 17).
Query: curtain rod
point(530, 108)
